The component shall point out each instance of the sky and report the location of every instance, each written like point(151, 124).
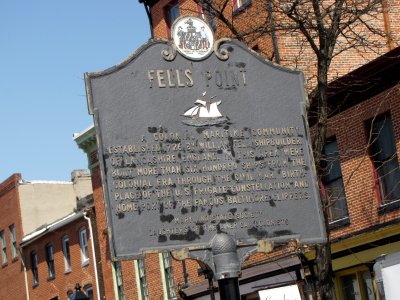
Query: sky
point(46, 47)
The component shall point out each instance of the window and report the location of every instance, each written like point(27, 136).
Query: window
point(238, 5)
point(3, 247)
point(70, 294)
point(171, 14)
point(13, 236)
point(84, 246)
point(120, 283)
point(50, 261)
point(88, 289)
point(142, 279)
point(169, 275)
point(332, 181)
point(66, 253)
point(355, 284)
point(34, 267)
point(384, 158)
point(205, 13)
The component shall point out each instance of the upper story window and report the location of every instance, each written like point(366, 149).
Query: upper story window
point(83, 242)
point(171, 12)
point(50, 261)
point(144, 293)
point(66, 253)
point(383, 154)
point(239, 5)
point(34, 268)
point(205, 12)
point(332, 180)
point(169, 275)
point(13, 237)
point(3, 247)
point(119, 281)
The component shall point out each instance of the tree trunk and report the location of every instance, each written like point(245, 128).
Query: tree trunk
point(323, 252)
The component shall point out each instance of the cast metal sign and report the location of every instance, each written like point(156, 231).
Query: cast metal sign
point(197, 137)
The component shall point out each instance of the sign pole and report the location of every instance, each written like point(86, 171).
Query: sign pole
point(229, 289)
point(227, 266)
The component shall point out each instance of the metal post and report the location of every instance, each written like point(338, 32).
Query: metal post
point(227, 266)
point(229, 289)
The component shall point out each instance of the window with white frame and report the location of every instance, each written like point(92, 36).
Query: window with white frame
point(237, 4)
point(169, 275)
point(66, 253)
point(70, 295)
point(34, 268)
point(88, 289)
point(83, 242)
point(3, 247)
point(50, 261)
point(13, 236)
point(142, 278)
point(205, 11)
point(119, 281)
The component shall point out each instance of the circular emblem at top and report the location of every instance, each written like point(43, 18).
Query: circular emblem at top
point(192, 37)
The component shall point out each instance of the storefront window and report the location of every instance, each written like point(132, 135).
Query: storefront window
point(356, 286)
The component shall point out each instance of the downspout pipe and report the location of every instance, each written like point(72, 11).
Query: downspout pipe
point(21, 252)
point(85, 215)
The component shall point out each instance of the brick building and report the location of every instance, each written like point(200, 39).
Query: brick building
point(32, 214)
point(365, 212)
point(364, 224)
point(59, 256)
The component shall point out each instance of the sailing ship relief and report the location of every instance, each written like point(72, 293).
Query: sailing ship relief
point(205, 112)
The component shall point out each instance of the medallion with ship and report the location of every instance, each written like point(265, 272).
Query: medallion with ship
point(192, 37)
point(204, 113)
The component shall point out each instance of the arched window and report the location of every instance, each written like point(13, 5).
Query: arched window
point(66, 253)
point(83, 241)
point(34, 268)
point(50, 261)
point(88, 289)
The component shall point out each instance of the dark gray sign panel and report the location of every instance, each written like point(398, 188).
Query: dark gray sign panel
point(190, 148)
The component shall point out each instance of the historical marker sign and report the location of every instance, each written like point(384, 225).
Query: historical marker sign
point(199, 141)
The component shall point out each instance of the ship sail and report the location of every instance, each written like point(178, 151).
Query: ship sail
point(191, 111)
point(213, 111)
point(204, 109)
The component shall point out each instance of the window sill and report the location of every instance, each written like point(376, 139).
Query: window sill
point(394, 205)
point(35, 285)
point(51, 278)
point(15, 259)
point(339, 223)
point(85, 263)
point(242, 8)
point(67, 271)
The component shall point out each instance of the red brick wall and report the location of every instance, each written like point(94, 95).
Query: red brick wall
point(62, 282)
point(11, 274)
point(129, 279)
point(104, 249)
